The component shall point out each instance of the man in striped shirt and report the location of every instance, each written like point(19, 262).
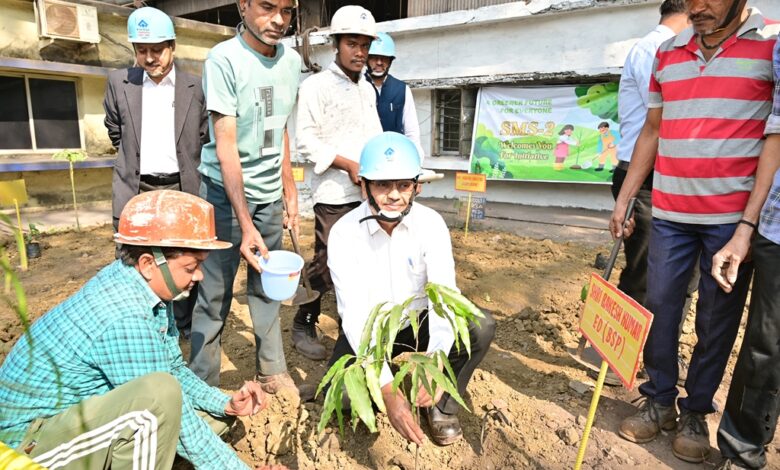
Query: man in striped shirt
point(710, 94)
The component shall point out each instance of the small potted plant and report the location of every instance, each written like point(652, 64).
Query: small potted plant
point(31, 244)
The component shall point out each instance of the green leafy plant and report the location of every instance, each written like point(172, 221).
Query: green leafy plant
point(72, 156)
point(360, 380)
point(32, 234)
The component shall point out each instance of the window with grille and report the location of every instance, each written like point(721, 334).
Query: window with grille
point(454, 110)
point(38, 113)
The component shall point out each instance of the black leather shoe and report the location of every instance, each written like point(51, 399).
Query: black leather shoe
point(445, 429)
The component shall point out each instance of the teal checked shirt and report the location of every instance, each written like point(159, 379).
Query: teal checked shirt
point(113, 330)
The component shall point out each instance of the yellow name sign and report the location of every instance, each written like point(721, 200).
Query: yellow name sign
point(12, 192)
point(617, 326)
point(297, 172)
point(472, 182)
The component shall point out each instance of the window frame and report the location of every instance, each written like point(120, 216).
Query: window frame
point(31, 119)
point(465, 123)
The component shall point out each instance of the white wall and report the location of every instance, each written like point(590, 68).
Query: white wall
point(518, 42)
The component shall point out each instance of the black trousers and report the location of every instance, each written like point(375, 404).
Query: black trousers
point(633, 278)
point(462, 364)
point(325, 216)
point(753, 403)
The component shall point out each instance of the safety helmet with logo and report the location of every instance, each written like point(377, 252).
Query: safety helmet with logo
point(353, 19)
point(383, 45)
point(168, 219)
point(149, 25)
point(389, 156)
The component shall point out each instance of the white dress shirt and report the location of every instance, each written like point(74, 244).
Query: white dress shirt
point(409, 120)
point(635, 87)
point(336, 116)
point(369, 267)
point(158, 139)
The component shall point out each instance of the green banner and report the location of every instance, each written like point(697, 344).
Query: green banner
point(557, 134)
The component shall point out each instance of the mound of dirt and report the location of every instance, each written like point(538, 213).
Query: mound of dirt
point(528, 399)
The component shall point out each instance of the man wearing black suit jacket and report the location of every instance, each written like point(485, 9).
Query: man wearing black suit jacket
point(156, 119)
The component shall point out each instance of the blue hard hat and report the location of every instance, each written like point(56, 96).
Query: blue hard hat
point(149, 25)
point(383, 45)
point(389, 156)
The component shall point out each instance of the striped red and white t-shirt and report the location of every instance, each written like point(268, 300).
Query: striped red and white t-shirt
point(712, 126)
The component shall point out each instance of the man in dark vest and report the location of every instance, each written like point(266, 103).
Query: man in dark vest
point(394, 100)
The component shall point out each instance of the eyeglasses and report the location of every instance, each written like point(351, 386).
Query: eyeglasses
point(387, 186)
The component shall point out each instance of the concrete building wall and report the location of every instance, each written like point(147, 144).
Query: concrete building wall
point(22, 52)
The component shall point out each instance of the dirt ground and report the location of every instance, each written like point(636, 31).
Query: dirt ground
point(531, 286)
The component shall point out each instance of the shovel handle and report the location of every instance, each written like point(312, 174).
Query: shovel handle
point(297, 250)
point(611, 263)
point(304, 274)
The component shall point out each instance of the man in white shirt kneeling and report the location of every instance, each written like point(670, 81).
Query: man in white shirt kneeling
point(386, 250)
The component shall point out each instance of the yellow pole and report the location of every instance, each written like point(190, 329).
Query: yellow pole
point(20, 238)
point(594, 403)
point(468, 217)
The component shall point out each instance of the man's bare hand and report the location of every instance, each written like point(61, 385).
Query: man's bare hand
point(617, 221)
point(251, 244)
point(271, 467)
point(248, 400)
point(290, 218)
point(424, 399)
point(725, 263)
point(400, 414)
point(353, 169)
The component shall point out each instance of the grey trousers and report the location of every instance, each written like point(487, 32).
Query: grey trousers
point(215, 291)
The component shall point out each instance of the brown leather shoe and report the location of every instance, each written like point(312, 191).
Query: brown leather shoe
point(445, 429)
point(648, 421)
point(692, 443)
point(271, 384)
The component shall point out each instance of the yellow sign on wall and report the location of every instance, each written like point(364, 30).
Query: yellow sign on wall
point(12, 192)
point(470, 182)
point(297, 172)
point(617, 326)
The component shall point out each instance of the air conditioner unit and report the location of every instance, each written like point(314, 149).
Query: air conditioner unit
point(63, 20)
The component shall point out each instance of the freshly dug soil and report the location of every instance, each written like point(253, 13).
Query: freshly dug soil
point(531, 286)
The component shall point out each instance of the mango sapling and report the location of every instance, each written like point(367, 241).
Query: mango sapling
point(72, 156)
point(360, 379)
point(32, 246)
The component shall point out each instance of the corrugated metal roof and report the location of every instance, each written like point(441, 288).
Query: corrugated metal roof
point(432, 7)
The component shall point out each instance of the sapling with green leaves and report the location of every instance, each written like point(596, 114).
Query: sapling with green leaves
point(72, 156)
point(361, 379)
point(32, 234)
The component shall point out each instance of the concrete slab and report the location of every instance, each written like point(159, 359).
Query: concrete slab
point(554, 223)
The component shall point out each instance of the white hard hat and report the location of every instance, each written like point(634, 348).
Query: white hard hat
point(353, 19)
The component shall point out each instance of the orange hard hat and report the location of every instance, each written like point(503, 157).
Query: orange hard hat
point(168, 218)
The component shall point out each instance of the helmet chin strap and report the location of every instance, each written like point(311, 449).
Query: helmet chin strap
point(162, 263)
point(732, 13)
point(388, 216)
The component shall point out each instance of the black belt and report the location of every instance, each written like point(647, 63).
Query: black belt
point(623, 165)
point(160, 179)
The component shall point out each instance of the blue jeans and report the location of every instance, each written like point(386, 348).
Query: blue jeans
point(674, 249)
point(215, 291)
